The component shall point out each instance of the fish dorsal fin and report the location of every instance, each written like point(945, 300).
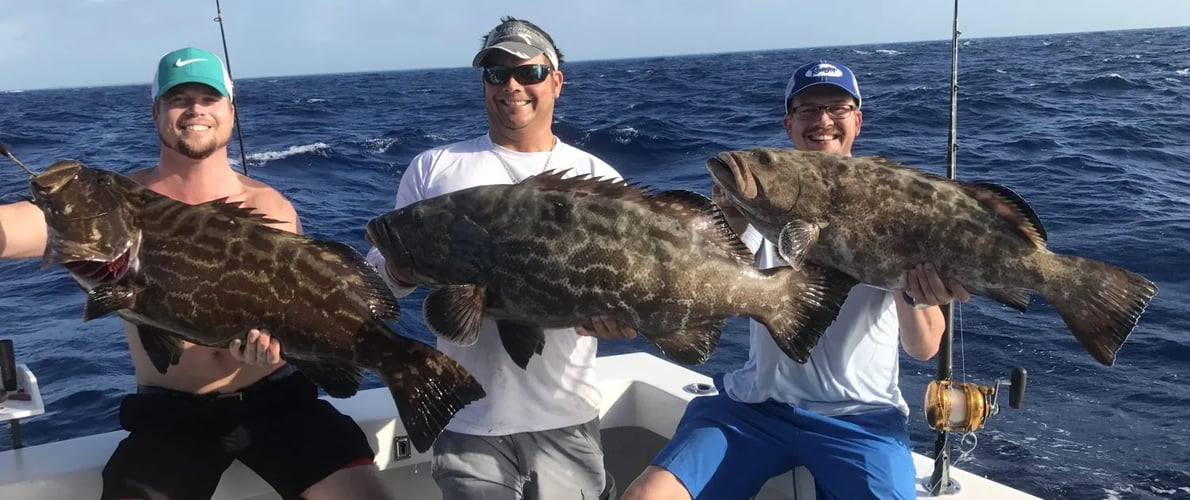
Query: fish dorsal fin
point(555, 180)
point(714, 224)
point(1008, 205)
point(236, 209)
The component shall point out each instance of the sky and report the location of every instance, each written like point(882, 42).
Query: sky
point(81, 43)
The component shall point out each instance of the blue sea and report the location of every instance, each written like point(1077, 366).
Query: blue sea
point(1093, 129)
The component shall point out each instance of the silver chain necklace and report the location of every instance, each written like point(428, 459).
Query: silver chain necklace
point(508, 168)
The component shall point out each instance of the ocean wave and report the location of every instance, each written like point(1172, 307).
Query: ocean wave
point(405, 142)
point(319, 148)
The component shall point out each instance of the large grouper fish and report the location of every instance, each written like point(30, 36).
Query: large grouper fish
point(552, 252)
point(208, 273)
point(874, 219)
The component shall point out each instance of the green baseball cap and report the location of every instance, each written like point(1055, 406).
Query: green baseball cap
point(191, 65)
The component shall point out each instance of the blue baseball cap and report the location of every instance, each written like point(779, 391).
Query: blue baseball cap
point(822, 73)
point(191, 65)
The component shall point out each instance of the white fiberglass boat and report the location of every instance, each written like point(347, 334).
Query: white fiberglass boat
point(643, 398)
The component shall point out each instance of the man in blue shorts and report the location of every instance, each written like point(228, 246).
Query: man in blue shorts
point(840, 414)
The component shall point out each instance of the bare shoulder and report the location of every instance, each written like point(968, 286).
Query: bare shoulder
point(266, 200)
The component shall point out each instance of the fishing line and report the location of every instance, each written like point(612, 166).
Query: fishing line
point(227, 61)
point(962, 341)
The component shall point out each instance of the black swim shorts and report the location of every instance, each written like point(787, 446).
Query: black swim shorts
point(179, 444)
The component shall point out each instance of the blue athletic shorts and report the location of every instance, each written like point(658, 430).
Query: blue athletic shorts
point(724, 449)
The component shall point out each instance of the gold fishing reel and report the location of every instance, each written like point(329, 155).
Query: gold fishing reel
point(965, 406)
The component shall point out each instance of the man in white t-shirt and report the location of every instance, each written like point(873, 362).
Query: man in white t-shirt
point(536, 434)
point(840, 414)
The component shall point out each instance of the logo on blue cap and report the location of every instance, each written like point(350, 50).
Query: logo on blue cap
point(822, 73)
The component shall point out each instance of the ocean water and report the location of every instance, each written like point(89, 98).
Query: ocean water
point(1092, 129)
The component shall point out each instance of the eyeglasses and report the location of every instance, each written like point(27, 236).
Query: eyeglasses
point(529, 74)
point(812, 111)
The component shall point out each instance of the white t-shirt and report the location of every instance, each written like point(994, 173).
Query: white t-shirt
point(558, 388)
point(853, 369)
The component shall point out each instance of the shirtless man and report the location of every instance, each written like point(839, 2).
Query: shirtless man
point(216, 405)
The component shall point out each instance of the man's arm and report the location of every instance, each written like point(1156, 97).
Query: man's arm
point(22, 231)
point(922, 323)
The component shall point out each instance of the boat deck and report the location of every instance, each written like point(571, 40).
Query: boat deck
point(643, 398)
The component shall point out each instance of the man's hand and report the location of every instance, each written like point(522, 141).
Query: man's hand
point(606, 328)
point(260, 349)
point(926, 288)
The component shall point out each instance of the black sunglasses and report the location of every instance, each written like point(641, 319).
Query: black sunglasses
point(529, 74)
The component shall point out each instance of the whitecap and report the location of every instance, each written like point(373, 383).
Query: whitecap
point(625, 135)
point(291, 151)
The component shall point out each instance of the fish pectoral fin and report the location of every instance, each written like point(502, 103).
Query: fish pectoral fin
point(795, 241)
point(521, 340)
point(1016, 298)
point(164, 348)
point(688, 346)
point(106, 299)
point(340, 379)
point(455, 312)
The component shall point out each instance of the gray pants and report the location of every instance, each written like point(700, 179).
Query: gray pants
point(558, 464)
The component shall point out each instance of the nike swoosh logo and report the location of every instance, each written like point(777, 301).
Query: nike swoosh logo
point(181, 62)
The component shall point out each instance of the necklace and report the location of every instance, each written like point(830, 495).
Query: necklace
point(508, 168)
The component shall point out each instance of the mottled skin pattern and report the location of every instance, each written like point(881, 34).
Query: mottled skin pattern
point(876, 219)
point(556, 252)
point(208, 273)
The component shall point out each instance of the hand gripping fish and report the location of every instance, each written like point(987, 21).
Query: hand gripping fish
point(208, 273)
point(551, 252)
point(874, 219)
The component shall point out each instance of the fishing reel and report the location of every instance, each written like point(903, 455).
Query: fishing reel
point(965, 406)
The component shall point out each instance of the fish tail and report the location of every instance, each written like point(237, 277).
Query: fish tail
point(427, 386)
point(813, 296)
point(1099, 302)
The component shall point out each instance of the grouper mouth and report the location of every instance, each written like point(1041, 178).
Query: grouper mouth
point(101, 271)
point(731, 174)
point(389, 244)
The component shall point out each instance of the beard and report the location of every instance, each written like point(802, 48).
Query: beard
point(199, 150)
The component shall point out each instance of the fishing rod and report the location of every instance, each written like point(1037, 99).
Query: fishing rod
point(227, 61)
point(940, 480)
point(962, 406)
